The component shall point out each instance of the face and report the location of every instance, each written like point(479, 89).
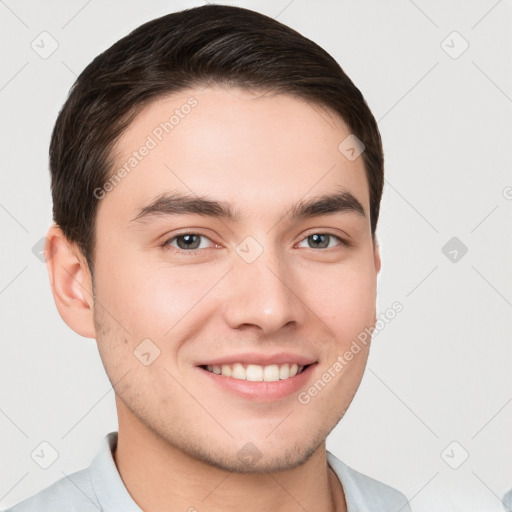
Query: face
point(218, 318)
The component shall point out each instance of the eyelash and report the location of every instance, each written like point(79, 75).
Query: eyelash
point(165, 245)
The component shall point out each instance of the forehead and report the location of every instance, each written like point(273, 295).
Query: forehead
point(253, 150)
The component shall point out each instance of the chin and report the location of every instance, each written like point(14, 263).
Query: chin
point(255, 458)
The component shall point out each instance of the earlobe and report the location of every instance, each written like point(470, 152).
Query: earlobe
point(71, 282)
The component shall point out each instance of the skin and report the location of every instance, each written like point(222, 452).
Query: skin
point(179, 436)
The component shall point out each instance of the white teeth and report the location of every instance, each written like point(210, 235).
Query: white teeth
point(226, 370)
point(257, 373)
point(254, 373)
point(271, 373)
point(238, 372)
point(284, 371)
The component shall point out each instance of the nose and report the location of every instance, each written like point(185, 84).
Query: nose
point(263, 295)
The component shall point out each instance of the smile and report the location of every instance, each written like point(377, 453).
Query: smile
point(255, 372)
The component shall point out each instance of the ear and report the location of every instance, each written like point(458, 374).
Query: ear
point(71, 282)
point(376, 255)
point(377, 262)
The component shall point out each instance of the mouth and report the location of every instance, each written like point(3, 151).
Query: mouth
point(257, 379)
point(256, 372)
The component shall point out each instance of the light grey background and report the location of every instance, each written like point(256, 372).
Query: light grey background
point(438, 373)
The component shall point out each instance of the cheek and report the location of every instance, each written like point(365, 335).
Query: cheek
point(156, 301)
point(344, 297)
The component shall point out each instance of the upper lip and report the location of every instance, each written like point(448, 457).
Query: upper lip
point(259, 359)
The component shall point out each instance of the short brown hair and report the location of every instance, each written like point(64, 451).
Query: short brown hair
point(212, 44)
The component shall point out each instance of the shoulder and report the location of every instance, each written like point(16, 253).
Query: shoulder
point(364, 493)
point(73, 493)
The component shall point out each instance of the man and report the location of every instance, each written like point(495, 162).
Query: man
point(216, 182)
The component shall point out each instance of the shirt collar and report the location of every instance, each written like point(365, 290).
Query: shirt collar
point(354, 498)
point(106, 480)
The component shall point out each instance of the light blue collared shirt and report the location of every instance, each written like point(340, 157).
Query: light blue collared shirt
point(507, 501)
point(99, 488)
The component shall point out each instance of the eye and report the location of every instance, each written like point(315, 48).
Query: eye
point(192, 242)
point(187, 242)
point(322, 240)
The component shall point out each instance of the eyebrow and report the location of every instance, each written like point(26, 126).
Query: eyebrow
point(169, 204)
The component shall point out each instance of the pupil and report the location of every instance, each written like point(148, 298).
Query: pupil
point(317, 240)
point(188, 241)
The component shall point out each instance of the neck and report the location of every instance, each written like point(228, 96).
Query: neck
point(159, 476)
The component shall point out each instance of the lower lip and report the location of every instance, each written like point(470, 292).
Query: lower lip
point(262, 391)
